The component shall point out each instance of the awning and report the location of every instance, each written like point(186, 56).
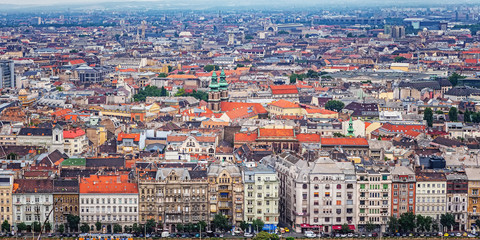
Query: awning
point(269, 227)
point(339, 227)
point(309, 226)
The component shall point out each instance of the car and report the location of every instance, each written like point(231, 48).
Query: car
point(287, 230)
point(310, 234)
point(458, 234)
point(350, 235)
point(248, 235)
point(363, 235)
point(471, 235)
point(445, 234)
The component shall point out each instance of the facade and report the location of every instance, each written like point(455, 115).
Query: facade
point(320, 199)
point(32, 201)
point(374, 193)
point(457, 195)
point(403, 191)
point(473, 175)
point(109, 199)
point(65, 197)
point(174, 196)
point(75, 141)
point(261, 197)
point(7, 74)
point(431, 194)
point(6, 186)
point(225, 191)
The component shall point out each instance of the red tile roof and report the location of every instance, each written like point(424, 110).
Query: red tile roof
point(308, 137)
point(229, 106)
point(273, 132)
point(73, 133)
point(135, 136)
point(284, 89)
point(107, 184)
point(285, 104)
point(245, 137)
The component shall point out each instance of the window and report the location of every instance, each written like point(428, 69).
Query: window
point(327, 194)
point(339, 202)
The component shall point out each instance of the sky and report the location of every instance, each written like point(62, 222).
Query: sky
point(221, 3)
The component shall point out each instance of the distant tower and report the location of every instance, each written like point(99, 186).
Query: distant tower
point(144, 26)
point(57, 141)
point(214, 94)
point(231, 38)
point(223, 87)
point(350, 130)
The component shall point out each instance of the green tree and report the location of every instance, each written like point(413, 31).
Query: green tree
point(439, 112)
point(150, 225)
point(209, 68)
point(370, 226)
point(334, 105)
point(283, 32)
point(399, 59)
point(84, 228)
point(29, 228)
point(337, 134)
point(5, 226)
point(220, 222)
point(73, 222)
point(447, 220)
point(36, 226)
point(420, 223)
point(202, 225)
point(262, 236)
point(467, 116)
point(257, 225)
point(428, 223)
point(477, 223)
point(98, 226)
point(47, 227)
point(453, 114)
point(149, 91)
point(180, 227)
point(136, 228)
point(117, 228)
point(345, 228)
point(162, 75)
point(428, 116)
point(188, 227)
point(407, 222)
point(61, 228)
point(243, 225)
point(454, 78)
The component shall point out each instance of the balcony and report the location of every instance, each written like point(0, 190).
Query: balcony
point(363, 190)
point(386, 190)
point(363, 198)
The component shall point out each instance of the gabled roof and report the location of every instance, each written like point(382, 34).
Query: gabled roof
point(110, 184)
point(33, 186)
point(284, 89)
point(344, 142)
point(69, 134)
point(229, 106)
point(284, 104)
point(134, 136)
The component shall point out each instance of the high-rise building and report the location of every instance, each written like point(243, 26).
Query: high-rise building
point(7, 74)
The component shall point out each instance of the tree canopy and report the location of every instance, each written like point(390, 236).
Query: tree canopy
point(334, 105)
point(428, 116)
point(453, 114)
point(149, 91)
point(209, 68)
point(454, 78)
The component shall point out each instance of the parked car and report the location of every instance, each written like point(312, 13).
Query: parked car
point(248, 235)
point(310, 234)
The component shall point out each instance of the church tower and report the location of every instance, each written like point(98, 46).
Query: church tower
point(214, 94)
point(223, 87)
point(350, 130)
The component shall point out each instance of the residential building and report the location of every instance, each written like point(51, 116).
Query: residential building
point(374, 193)
point(261, 197)
point(108, 199)
point(473, 175)
point(403, 190)
point(431, 194)
point(32, 201)
point(75, 141)
point(174, 196)
point(65, 197)
point(7, 74)
point(6, 187)
point(457, 199)
point(225, 191)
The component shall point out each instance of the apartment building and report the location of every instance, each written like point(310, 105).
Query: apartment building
point(403, 190)
point(431, 193)
point(374, 193)
point(174, 196)
point(65, 197)
point(261, 197)
point(6, 187)
point(457, 199)
point(225, 191)
point(108, 199)
point(32, 201)
point(473, 175)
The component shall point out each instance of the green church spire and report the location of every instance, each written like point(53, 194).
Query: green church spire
point(350, 130)
point(223, 81)
point(214, 84)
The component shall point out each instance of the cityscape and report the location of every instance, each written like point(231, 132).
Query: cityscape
point(255, 120)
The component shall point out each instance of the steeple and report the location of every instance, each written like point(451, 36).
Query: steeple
point(214, 84)
point(214, 96)
point(223, 86)
point(350, 130)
